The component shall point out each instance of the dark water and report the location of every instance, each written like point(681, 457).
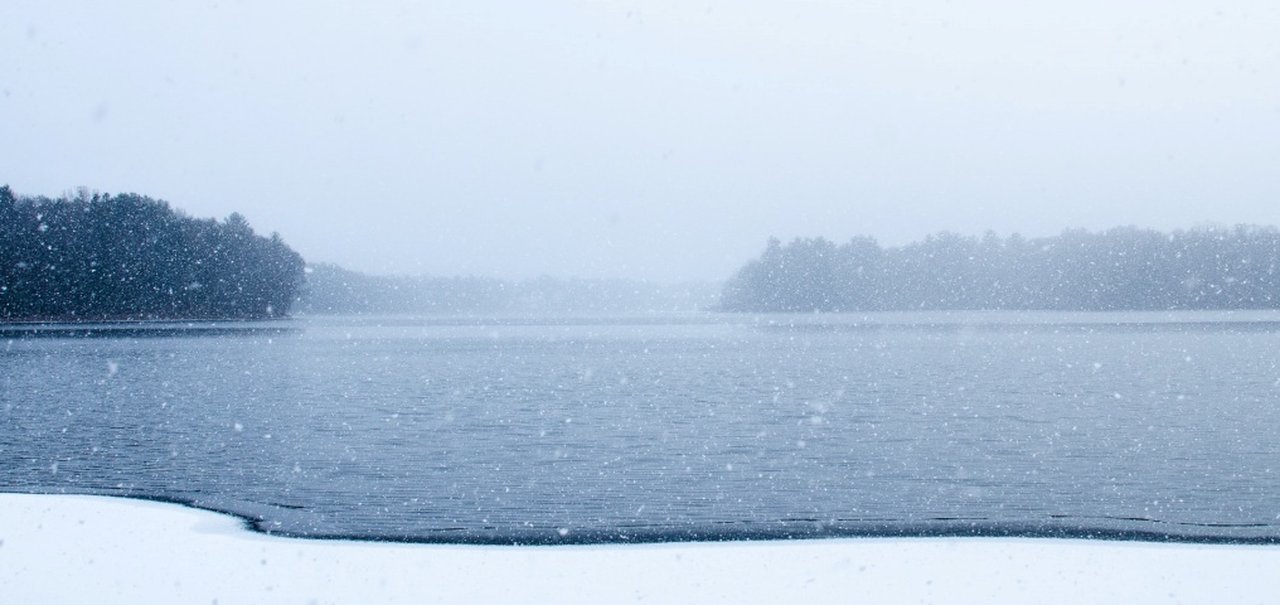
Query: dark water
point(1112, 425)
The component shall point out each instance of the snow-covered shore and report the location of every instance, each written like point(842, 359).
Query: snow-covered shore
point(76, 549)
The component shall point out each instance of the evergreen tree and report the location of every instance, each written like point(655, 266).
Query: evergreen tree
point(100, 256)
point(1120, 269)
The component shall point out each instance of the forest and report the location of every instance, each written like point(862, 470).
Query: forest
point(95, 256)
point(331, 289)
point(1120, 269)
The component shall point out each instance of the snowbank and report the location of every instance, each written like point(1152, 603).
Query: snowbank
point(75, 549)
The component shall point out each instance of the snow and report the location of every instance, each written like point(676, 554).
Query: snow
point(74, 549)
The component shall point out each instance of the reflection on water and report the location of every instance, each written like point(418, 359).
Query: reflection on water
point(554, 429)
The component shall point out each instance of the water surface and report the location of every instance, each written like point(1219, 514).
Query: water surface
point(1151, 425)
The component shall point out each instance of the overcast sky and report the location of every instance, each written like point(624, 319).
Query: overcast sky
point(659, 140)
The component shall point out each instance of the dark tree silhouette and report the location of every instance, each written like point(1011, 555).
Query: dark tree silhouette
point(89, 256)
point(1120, 269)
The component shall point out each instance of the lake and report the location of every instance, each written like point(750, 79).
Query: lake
point(700, 426)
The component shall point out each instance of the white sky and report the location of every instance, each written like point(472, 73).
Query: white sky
point(659, 140)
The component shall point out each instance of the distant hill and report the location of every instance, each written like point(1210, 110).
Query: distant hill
point(330, 289)
point(97, 256)
point(1119, 269)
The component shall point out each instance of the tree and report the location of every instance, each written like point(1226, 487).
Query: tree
point(1123, 268)
point(101, 256)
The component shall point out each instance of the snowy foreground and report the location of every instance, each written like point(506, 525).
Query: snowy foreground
point(76, 549)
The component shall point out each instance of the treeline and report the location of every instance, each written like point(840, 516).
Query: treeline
point(333, 290)
point(94, 256)
point(1119, 269)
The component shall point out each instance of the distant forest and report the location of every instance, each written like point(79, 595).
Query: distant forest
point(1119, 269)
point(93, 256)
point(330, 289)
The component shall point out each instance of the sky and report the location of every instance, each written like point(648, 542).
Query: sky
point(664, 141)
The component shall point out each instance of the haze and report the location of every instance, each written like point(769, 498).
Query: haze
point(664, 141)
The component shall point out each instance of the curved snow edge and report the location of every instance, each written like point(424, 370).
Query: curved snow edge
point(66, 549)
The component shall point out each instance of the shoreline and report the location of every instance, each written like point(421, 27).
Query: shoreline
point(130, 320)
point(145, 328)
point(62, 548)
point(726, 532)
